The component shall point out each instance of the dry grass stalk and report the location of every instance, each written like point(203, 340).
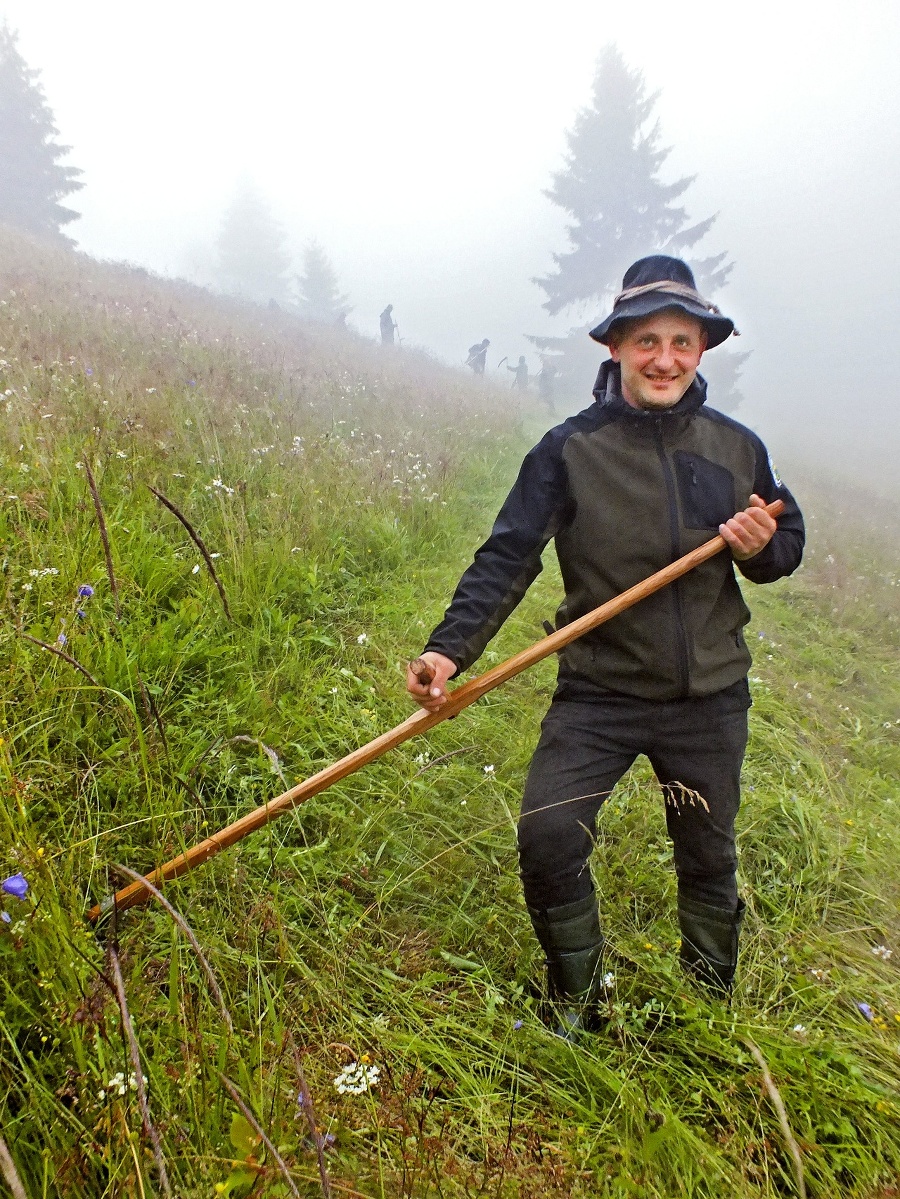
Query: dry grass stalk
point(258, 1129)
point(152, 712)
point(104, 536)
point(781, 1111)
point(306, 1104)
point(198, 542)
point(192, 792)
point(54, 649)
point(243, 739)
point(188, 932)
point(118, 989)
point(10, 1173)
point(443, 758)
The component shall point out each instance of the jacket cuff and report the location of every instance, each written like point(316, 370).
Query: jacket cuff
point(432, 647)
point(764, 567)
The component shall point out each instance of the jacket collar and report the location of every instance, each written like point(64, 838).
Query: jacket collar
point(608, 394)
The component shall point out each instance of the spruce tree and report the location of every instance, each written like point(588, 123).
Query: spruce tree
point(252, 259)
point(620, 210)
point(32, 179)
point(318, 293)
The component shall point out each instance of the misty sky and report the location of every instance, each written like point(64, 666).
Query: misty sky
point(414, 140)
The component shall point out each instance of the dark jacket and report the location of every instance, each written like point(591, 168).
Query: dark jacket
point(625, 492)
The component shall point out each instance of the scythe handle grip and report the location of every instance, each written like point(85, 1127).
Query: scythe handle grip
point(423, 670)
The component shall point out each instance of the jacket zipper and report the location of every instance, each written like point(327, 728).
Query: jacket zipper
point(675, 588)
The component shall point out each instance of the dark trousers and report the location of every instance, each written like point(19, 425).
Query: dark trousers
point(696, 748)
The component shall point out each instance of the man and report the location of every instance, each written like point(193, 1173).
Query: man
point(520, 370)
point(644, 475)
point(545, 379)
point(388, 325)
point(477, 358)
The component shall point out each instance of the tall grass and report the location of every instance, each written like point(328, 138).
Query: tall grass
point(339, 490)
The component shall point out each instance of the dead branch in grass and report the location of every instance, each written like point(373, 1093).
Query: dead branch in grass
point(54, 649)
point(104, 535)
point(198, 542)
point(781, 1111)
point(10, 1173)
point(258, 1129)
point(118, 989)
point(188, 932)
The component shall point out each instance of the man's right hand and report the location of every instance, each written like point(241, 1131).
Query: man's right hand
point(431, 695)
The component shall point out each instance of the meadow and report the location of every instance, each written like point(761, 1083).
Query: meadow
point(354, 1008)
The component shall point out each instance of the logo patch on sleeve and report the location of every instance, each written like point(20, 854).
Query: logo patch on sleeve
point(775, 474)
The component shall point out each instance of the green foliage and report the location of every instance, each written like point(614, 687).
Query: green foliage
point(252, 259)
point(621, 210)
point(319, 297)
point(245, 1173)
point(610, 187)
point(381, 924)
point(32, 179)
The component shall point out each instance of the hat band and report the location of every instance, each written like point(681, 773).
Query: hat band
point(668, 287)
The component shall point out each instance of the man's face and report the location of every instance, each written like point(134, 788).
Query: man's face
point(659, 357)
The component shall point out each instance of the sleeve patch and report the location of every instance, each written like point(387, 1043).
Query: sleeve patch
point(775, 474)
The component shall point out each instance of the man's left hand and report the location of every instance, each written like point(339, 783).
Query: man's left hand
point(749, 531)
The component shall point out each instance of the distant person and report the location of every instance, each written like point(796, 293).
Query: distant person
point(388, 325)
point(478, 357)
point(545, 378)
point(520, 370)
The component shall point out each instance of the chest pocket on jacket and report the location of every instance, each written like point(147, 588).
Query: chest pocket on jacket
point(706, 490)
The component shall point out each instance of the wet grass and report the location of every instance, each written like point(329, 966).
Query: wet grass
point(339, 491)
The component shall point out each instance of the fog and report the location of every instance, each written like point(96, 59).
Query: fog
point(413, 141)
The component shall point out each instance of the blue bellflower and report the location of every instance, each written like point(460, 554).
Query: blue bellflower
point(16, 885)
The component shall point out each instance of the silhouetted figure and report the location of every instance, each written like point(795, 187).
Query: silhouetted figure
point(520, 370)
point(387, 326)
point(478, 357)
point(545, 378)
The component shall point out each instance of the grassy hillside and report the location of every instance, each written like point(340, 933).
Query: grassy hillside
point(339, 490)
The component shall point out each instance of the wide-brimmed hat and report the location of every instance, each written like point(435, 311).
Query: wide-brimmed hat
point(658, 282)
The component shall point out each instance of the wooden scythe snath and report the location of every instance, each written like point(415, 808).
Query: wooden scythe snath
point(419, 722)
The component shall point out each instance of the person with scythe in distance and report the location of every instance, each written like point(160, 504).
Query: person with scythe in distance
point(520, 370)
point(387, 325)
point(477, 357)
point(645, 474)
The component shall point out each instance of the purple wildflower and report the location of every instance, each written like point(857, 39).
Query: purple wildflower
point(517, 1024)
point(191, 383)
point(16, 885)
point(61, 639)
point(81, 614)
point(85, 591)
point(88, 371)
point(866, 1011)
point(5, 917)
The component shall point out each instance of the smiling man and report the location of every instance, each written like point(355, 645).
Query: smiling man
point(645, 474)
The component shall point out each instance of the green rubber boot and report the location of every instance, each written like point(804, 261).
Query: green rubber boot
point(709, 942)
point(573, 945)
